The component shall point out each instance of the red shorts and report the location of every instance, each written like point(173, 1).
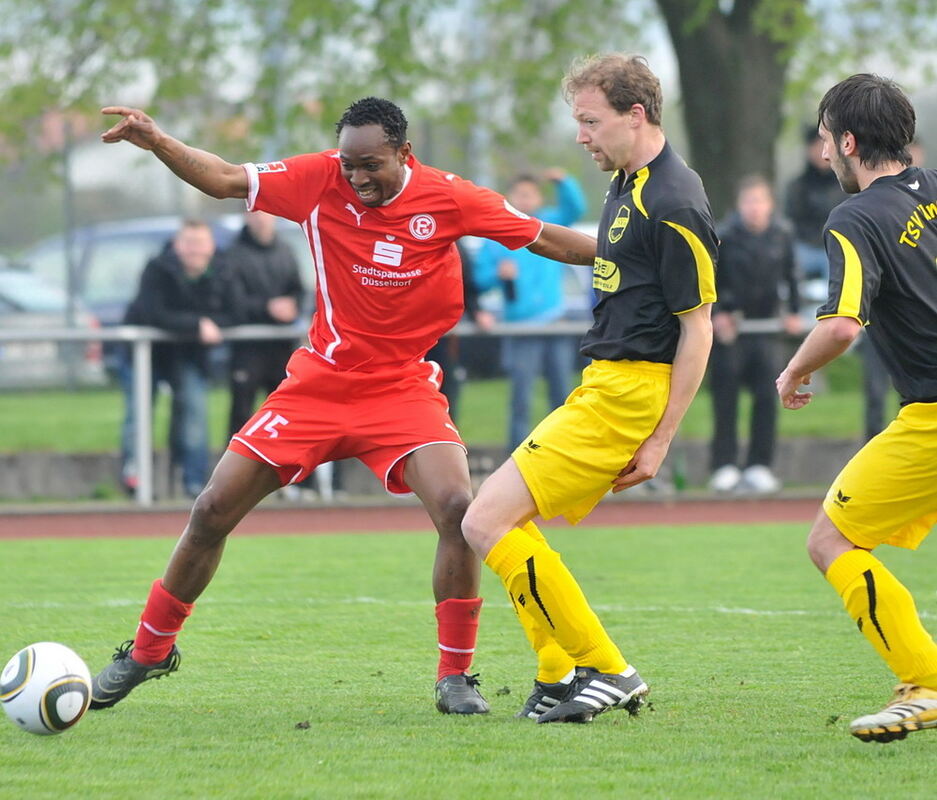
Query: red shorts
point(319, 413)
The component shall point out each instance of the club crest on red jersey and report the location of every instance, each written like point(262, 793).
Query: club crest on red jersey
point(422, 226)
point(273, 166)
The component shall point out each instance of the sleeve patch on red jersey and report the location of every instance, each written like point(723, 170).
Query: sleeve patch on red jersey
point(273, 166)
point(515, 211)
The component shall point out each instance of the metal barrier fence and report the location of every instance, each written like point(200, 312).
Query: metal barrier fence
point(141, 340)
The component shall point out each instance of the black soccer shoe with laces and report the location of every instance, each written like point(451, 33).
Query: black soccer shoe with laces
point(113, 683)
point(458, 694)
point(593, 692)
point(544, 697)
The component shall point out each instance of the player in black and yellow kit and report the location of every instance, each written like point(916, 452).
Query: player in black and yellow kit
point(654, 274)
point(882, 246)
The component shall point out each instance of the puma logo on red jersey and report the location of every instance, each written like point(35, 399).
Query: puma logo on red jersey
point(358, 216)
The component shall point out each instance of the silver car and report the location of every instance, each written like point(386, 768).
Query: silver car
point(29, 303)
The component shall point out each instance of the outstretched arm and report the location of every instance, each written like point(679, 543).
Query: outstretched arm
point(205, 171)
point(828, 340)
point(564, 244)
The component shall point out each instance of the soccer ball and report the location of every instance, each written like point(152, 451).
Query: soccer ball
point(45, 688)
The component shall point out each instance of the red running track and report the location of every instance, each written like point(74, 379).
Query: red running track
point(313, 520)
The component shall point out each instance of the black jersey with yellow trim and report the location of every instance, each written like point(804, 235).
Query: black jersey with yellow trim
point(882, 248)
point(655, 259)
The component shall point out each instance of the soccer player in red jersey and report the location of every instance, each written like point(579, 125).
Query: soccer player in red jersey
point(381, 228)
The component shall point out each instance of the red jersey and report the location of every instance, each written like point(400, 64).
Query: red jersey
point(388, 278)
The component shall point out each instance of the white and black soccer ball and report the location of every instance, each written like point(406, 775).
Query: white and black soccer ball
point(45, 688)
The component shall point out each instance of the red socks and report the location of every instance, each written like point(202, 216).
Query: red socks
point(164, 615)
point(457, 623)
point(160, 623)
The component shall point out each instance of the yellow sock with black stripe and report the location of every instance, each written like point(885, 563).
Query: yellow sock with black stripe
point(544, 588)
point(886, 615)
point(553, 662)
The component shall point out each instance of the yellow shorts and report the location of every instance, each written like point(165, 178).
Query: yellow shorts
point(887, 492)
point(571, 458)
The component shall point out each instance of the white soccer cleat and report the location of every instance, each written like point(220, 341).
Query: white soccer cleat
point(913, 708)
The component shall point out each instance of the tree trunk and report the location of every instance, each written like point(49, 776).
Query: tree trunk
point(732, 79)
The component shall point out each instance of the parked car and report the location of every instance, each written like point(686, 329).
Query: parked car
point(27, 302)
point(109, 259)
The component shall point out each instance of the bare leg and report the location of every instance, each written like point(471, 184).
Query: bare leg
point(439, 476)
point(235, 487)
point(555, 614)
point(825, 543)
point(504, 502)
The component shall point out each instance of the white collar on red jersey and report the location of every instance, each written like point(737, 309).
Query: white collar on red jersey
point(407, 173)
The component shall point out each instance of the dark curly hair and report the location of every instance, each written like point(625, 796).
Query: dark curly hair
point(376, 111)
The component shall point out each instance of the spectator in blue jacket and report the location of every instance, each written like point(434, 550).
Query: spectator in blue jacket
point(533, 293)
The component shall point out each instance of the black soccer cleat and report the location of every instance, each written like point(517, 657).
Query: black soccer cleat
point(458, 694)
point(544, 697)
point(593, 692)
point(113, 683)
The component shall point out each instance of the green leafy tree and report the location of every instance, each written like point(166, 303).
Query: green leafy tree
point(275, 73)
point(744, 64)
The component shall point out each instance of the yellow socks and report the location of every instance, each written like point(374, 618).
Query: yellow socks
point(553, 662)
point(551, 607)
point(886, 615)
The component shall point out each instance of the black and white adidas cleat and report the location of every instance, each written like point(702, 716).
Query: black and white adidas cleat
point(593, 692)
point(543, 698)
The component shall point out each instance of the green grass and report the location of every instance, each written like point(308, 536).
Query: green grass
point(46, 421)
point(755, 670)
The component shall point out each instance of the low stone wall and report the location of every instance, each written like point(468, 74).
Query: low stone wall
point(58, 476)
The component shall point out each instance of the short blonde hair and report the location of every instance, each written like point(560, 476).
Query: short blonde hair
point(624, 79)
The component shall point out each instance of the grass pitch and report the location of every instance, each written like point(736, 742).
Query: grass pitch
point(754, 670)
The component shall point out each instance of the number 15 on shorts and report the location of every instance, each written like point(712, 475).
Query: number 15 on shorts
point(269, 422)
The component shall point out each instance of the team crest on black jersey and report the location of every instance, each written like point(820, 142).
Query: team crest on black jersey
point(617, 229)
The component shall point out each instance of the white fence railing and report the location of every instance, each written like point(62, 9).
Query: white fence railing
point(141, 340)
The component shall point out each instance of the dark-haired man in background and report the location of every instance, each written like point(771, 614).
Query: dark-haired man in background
point(809, 199)
point(381, 229)
point(756, 259)
point(266, 271)
point(186, 289)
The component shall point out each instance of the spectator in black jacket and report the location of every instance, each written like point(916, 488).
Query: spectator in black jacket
point(756, 258)
point(811, 196)
point(267, 274)
point(188, 290)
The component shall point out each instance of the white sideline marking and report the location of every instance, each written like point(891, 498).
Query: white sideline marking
point(120, 602)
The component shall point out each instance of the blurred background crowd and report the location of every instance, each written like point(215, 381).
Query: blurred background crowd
point(93, 236)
